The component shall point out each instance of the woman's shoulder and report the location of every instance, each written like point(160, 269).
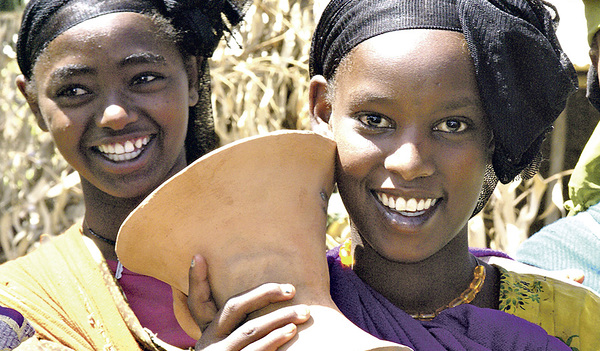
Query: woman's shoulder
point(564, 308)
point(57, 257)
point(71, 239)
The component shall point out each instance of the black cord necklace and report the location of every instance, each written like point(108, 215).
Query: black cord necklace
point(119, 271)
point(106, 240)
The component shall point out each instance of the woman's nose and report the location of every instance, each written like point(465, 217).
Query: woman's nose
point(409, 161)
point(116, 117)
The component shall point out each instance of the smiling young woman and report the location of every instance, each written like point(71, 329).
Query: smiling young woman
point(115, 100)
point(430, 106)
point(123, 88)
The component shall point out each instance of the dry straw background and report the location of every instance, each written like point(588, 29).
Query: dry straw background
point(257, 88)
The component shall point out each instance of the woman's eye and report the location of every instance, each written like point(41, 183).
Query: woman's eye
point(72, 92)
point(451, 126)
point(375, 121)
point(144, 78)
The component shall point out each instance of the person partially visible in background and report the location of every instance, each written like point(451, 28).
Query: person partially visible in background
point(572, 243)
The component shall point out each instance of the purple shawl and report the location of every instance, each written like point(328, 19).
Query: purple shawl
point(464, 327)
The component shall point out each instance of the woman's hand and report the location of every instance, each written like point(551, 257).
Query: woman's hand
point(229, 329)
point(573, 274)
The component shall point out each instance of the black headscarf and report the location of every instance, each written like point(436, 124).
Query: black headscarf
point(524, 77)
point(201, 23)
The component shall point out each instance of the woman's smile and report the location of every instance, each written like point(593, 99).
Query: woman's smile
point(124, 153)
point(406, 215)
point(125, 156)
point(410, 207)
point(120, 152)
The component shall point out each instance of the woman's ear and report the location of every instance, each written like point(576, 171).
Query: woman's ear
point(32, 101)
point(191, 66)
point(319, 106)
point(594, 57)
point(594, 50)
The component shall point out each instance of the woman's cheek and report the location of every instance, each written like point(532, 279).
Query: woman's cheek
point(471, 168)
point(355, 158)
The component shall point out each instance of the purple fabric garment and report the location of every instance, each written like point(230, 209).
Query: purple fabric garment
point(12, 314)
point(14, 329)
point(482, 252)
point(464, 327)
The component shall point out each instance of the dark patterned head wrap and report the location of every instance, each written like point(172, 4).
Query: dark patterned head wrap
point(524, 77)
point(200, 22)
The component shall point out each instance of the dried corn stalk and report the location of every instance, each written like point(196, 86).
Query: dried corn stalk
point(506, 220)
point(263, 86)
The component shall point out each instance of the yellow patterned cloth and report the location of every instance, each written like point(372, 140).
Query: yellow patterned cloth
point(69, 295)
point(564, 309)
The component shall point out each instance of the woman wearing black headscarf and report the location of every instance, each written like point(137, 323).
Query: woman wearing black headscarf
point(430, 104)
point(123, 88)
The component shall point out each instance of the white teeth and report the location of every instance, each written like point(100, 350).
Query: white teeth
point(384, 199)
point(129, 146)
point(124, 151)
point(400, 204)
point(410, 207)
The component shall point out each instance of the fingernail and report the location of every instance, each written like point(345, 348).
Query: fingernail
point(287, 288)
point(303, 311)
point(289, 329)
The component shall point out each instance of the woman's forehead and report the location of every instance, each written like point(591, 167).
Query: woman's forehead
point(431, 67)
point(441, 44)
point(411, 54)
point(116, 31)
point(114, 23)
point(119, 38)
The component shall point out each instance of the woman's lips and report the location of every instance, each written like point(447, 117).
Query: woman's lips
point(410, 207)
point(124, 151)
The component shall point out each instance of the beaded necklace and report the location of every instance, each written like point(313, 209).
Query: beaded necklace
point(466, 296)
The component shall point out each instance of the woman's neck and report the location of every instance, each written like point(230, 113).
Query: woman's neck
point(104, 215)
point(425, 286)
